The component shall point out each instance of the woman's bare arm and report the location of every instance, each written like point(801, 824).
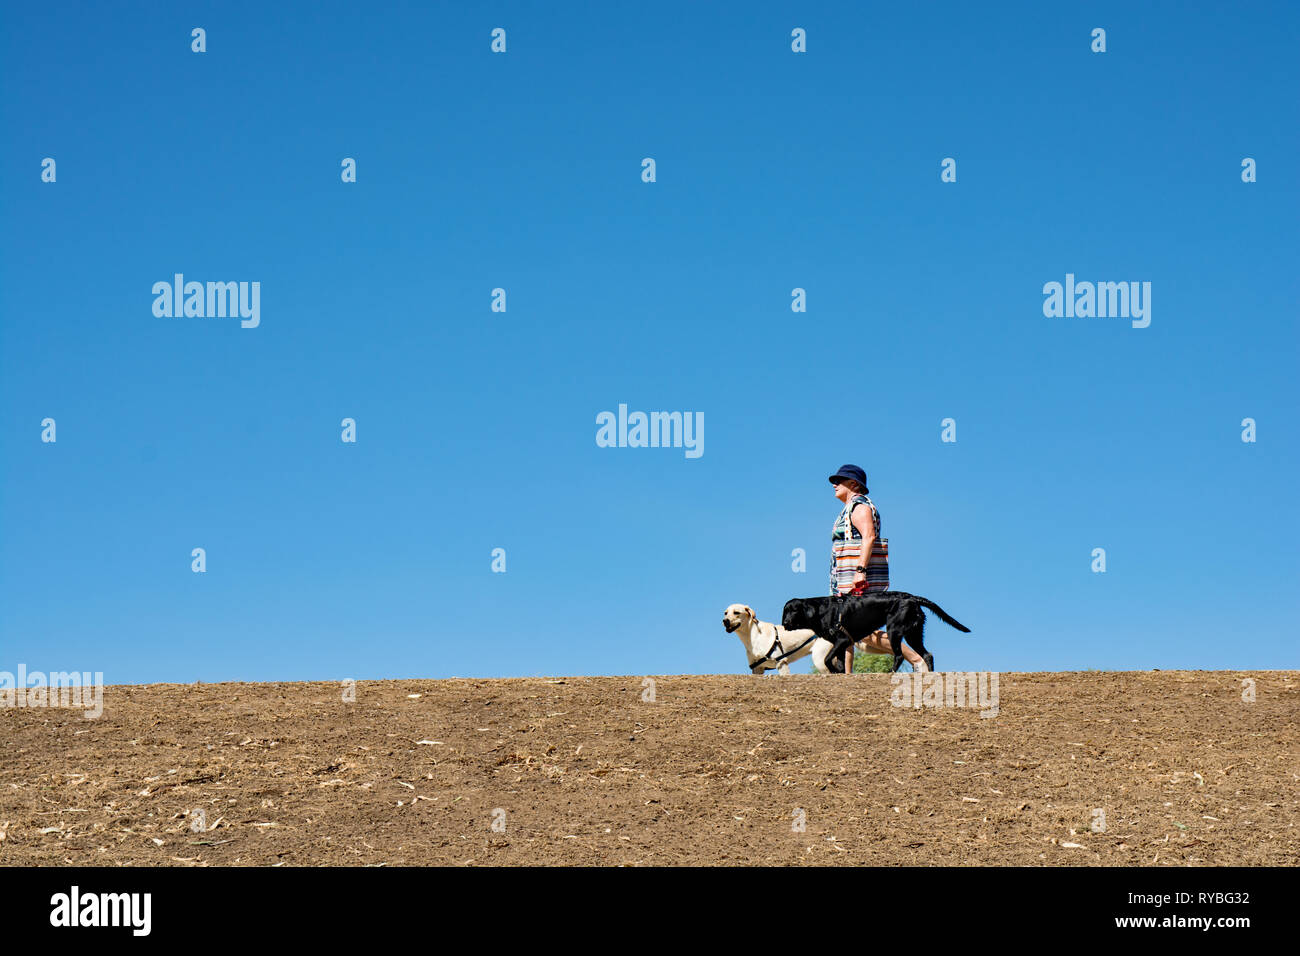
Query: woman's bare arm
point(867, 528)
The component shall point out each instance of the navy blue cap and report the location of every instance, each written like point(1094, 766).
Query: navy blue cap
point(851, 471)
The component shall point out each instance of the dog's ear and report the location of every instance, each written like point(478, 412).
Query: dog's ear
point(750, 611)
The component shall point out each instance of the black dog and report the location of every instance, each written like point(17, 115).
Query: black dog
point(837, 619)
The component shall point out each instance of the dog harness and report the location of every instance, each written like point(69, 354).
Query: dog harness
point(776, 646)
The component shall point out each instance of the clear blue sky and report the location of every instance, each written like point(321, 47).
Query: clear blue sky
point(476, 430)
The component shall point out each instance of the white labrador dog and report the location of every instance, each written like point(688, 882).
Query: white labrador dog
point(770, 646)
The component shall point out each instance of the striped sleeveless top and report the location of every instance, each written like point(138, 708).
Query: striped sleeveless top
point(846, 551)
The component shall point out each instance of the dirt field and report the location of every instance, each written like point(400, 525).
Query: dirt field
point(714, 770)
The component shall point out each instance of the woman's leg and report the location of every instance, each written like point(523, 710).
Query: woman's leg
point(877, 643)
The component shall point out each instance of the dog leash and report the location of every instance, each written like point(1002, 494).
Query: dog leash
point(858, 591)
point(840, 645)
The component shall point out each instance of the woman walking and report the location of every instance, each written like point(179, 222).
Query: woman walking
point(860, 556)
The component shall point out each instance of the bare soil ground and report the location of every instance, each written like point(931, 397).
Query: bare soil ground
point(714, 770)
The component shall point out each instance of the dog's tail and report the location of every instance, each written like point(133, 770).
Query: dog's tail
point(943, 615)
